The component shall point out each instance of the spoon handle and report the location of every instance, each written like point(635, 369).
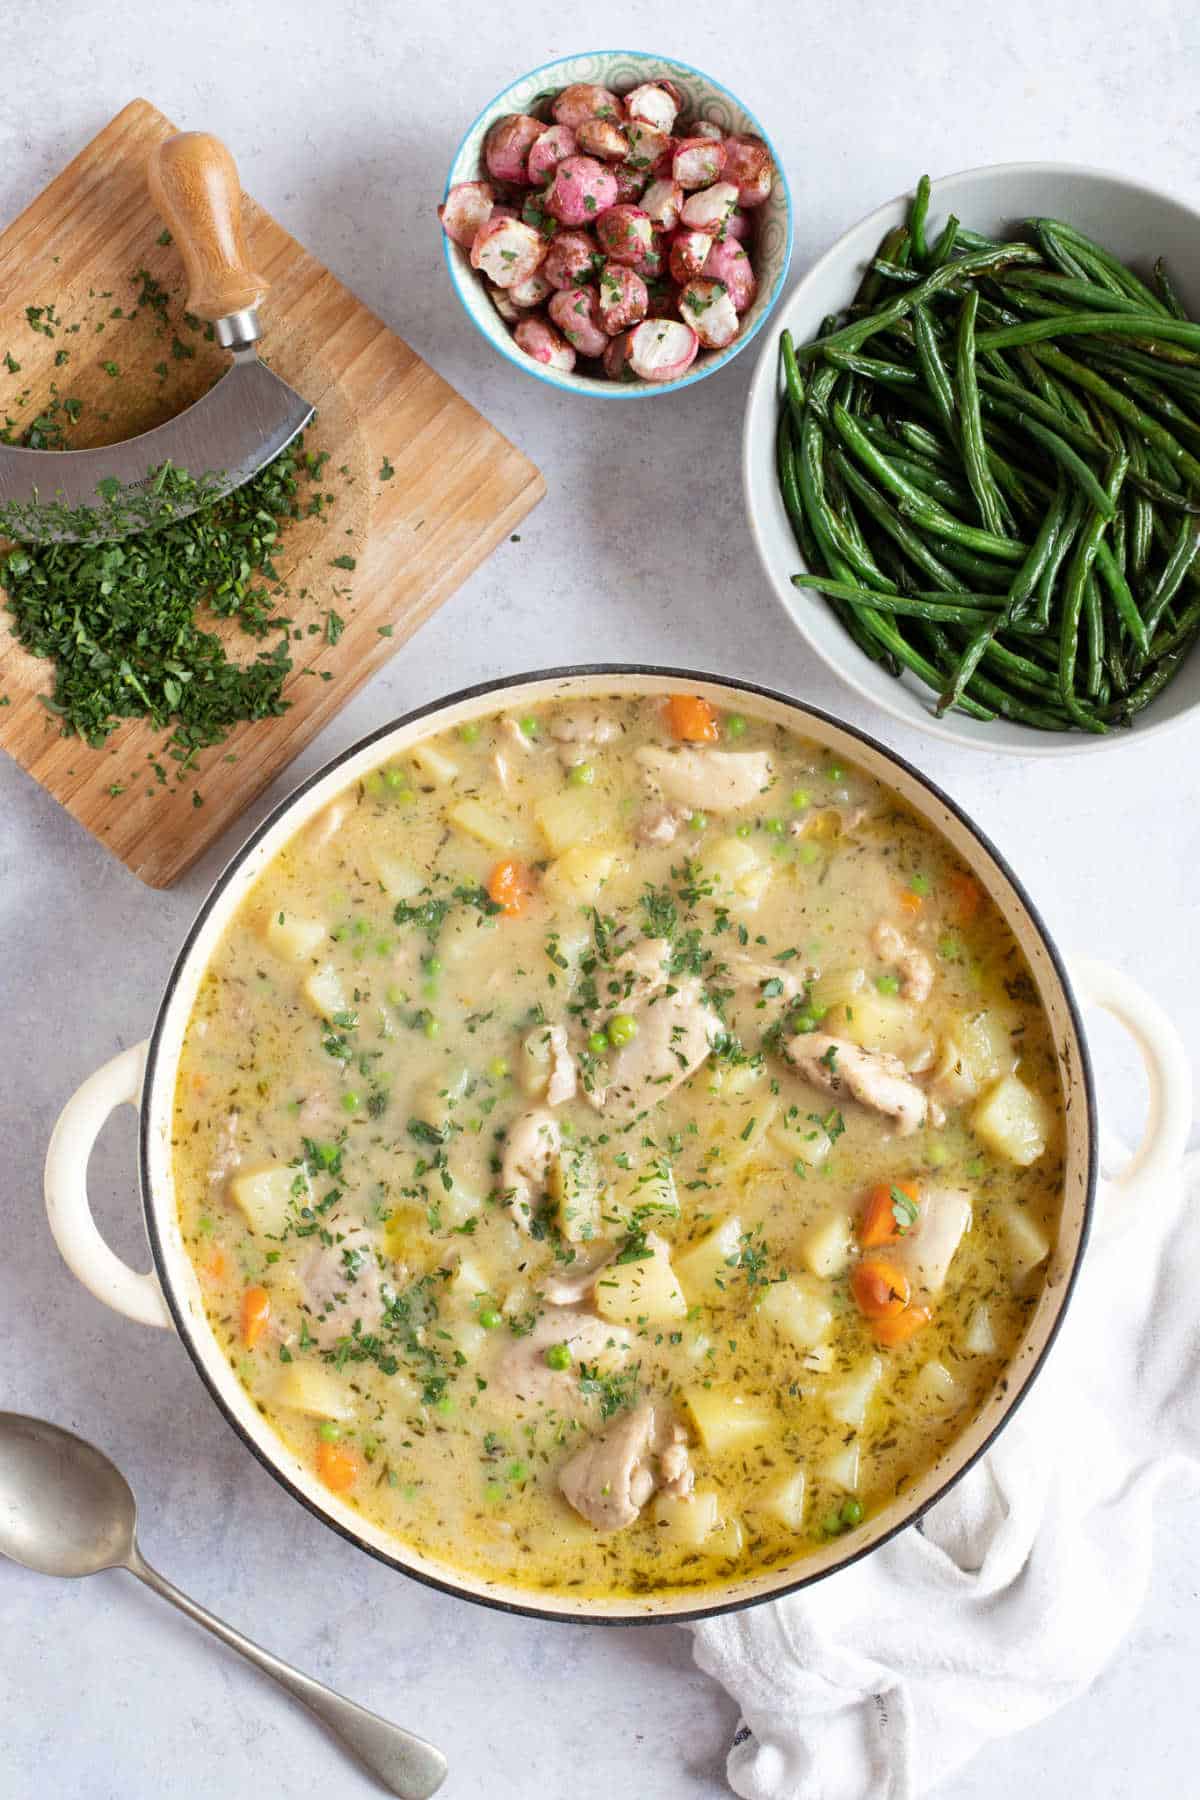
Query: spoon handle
point(406, 1765)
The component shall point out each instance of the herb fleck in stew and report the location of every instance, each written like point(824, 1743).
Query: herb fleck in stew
point(619, 1147)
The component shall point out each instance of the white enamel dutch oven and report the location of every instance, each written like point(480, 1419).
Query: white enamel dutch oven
point(144, 1077)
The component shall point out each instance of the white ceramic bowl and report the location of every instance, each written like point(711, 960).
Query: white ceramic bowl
point(144, 1076)
point(1139, 223)
point(622, 70)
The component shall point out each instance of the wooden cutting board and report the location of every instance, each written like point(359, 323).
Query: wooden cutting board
point(455, 489)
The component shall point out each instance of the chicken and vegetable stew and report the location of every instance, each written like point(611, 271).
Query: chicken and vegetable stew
point(619, 1147)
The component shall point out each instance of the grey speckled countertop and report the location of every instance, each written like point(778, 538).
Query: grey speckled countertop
point(344, 117)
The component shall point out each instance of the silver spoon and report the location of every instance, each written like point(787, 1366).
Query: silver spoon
point(66, 1510)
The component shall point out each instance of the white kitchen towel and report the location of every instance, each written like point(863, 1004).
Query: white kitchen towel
point(1017, 1588)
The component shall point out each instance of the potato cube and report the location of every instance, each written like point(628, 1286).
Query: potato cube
point(574, 1186)
point(294, 938)
point(644, 1292)
point(324, 991)
point(799, 1311)
point(879, 1022)
point(574, 816)
point(435, 764)
point(826, 1246)
point(468, 1284)
point(849, 1398)
point(312, 1388)
point(265, 1195)
point(580, 873)
point(980, 1338)
point(739, 871)
point(1026, 1239)
point(492, 828)
point(801, 1140)
point(723, 1417)
point(1013, 1121)
point(709, 1261)
point(935, 1387)
point(686, 1521)
point(398, 878)
point(841, 1469)
point(783, 1499)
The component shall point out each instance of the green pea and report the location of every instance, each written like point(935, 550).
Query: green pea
point(852, 1512)
point(808, 853)
point(887, 984)
point(395, 779)
point(361, 927)
point(431, 1026)
point(801, 798)
point(518, 1471)
point(582, 774)
point(489, 1318)
point(699, 821)
point(835, 772)
point(529, 725)
point(735, 726)
point(430, 989)
point(434, 964)
point(776, 826)
point(598, 1043)
point(622, 1029)
point(395, 996)
point(831, 1524)
point(493, 1493)
point(497, 1068)
point(469, 733)
point(444, 1405)
point(383, 946)
point(742, 831)
point(919, 884)
point(558, 1357)
point(328, 1432)
point(351, 1101)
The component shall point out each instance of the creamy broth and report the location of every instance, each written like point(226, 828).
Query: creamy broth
point(619, 1147)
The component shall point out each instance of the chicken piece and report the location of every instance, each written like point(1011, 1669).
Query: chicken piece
point(580, 729)
point(226, 1155)
point(533, 1141)
point(513, 736)
point(571, 1289)
point(873, 1078)
point(641, 970)
point(561, 1085)
point(676, 1030)
point(341, 1285)
point(745, 972)
point(674, 1464)
point(521, 1371)
point(706, 780)
point(657, 825)
point(926, 1251)
point(915, 968)
point(828, 822)
point(611, 1478)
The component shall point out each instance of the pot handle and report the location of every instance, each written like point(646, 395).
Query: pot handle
point(83, 1250)
point(1156, 1161)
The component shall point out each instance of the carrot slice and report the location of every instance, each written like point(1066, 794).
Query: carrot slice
point(879, 1288)
point(910, 900)
point(692, 719)
point(256, 1314)
point(879, 1224)
point(967, 897)
point(217, 1265)
point(509, 885)
point(897, 1328)
point(337, 1465)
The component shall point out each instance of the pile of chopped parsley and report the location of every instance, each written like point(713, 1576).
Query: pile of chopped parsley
point(119, 619)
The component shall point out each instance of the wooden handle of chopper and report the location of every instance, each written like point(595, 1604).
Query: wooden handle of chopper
point(194, 184)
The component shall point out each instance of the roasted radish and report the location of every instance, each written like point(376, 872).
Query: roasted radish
point(631, 184)
point(647, 147)
point(661, 349)
point(662, 204)
point(748, 167)
point(689, 253)
point(584, 101)
point(573, 310)
point(549, 150)
point(581, 189)
point(708, 309)
point(602, 138)
point(466, 207)
point(728, 262)
point(708, 209)
point(625, 234)
point(540, 340)
point(697, 162)
point(507, 145)
point(530, 292)
point(623, 299)
point(571, 258)
point(507, 251)
point(651, 104)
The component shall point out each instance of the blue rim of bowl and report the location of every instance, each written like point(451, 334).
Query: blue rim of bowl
point(616, 390)
point(1040, 744)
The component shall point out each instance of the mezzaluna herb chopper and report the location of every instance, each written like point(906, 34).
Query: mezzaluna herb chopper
point(217, 444)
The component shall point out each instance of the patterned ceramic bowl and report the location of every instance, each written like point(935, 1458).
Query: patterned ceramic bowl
point(622, 70)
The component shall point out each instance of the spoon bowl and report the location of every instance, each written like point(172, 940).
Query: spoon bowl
point(65, 1509)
